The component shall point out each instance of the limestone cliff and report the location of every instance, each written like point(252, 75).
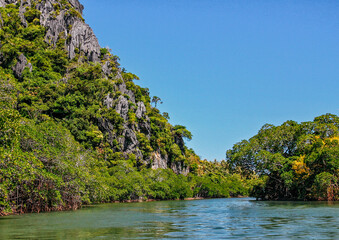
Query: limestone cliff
point(63, 20)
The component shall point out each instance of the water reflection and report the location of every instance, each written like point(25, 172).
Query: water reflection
point(203, 219)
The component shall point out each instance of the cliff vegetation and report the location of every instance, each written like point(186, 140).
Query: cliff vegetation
point(76, 129)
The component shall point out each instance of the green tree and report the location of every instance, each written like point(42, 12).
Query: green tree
point(293, 159)
point(156, 100)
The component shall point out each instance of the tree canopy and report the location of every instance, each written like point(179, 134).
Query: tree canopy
point(295, 161)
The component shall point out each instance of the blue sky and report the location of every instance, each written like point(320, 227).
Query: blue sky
point(225, 68)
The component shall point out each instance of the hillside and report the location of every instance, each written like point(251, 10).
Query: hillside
point(82, 85)
point(76, 129)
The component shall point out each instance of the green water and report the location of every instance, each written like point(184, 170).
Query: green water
point(202, 219)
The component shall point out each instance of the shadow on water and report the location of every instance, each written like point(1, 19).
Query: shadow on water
point(203, 219)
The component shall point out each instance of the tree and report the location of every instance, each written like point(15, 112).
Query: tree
point(166, 115)
point(183, 132)
point(296, 161)
point(156, 100)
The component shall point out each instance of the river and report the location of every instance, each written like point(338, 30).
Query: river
point(238, 218)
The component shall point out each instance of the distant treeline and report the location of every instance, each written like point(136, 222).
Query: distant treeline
point(294, 161)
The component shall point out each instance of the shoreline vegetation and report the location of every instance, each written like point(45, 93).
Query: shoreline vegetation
point(123, 201)
point(157, 200)
point(75, 129)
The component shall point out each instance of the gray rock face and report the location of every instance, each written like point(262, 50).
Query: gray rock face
point(3, 3)
point(22, 10)
point(179, 168)
point(144, 122)
point(145, 127)
point(159, 161)
point(83, 38)
point(130, 141)
point(77, 5)
point(20, 66)
point(107, 68)
point(118, 76)
point(108, 128)
point(141, 110)
point(123, 89)
point(54, 26)
point(122, 107)
point(131, 95)
point(80, 35)
point(108, 101)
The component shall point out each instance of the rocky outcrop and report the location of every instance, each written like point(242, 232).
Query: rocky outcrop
point(56, 27)
point(123, 89)
point(22, 10)
point(179, 168)
point(80, 36)
point(145, 127)
point(64, 23)
point(107, 69)
point(144, 122)
point(159, 161)
point(122, 107)
point(83, 38)
point(109, 101)
point(20, 66)
point(130, 143)
point(3, 3)
point(108, 128)
point(141, 110)
point(77, 5)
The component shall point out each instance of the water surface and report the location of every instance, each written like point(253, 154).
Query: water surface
point(203, 219)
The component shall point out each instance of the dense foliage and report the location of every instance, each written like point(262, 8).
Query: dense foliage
point(56, 154)
point(294, 161)
point(53, 154)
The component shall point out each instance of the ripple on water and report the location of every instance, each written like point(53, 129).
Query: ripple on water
point(204, 219)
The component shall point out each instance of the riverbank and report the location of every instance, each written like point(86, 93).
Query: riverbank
point(157, 200)
point(124, 201)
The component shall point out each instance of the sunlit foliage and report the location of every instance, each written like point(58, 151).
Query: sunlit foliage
point(296, 161)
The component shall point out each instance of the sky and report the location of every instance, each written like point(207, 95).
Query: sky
point(224, 68)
